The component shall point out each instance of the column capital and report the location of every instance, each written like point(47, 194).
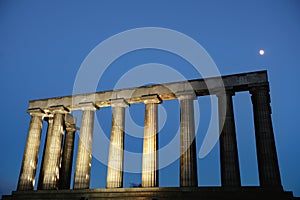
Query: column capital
point(70, 119)
point(262, 87)
point(87, 106)
point(151, 98)
point(186, 94)
point(70, 123)
point(119, 102)
point(259, 91)
point(36, 112)
point(60, 109)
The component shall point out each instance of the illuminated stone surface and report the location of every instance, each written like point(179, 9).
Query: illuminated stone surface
point(239, 82)
point(29, 164)
point(116, 156)
point(56, 169)
point(65, 172)
point(84, 153)
point(49, 120)
point(149, 160)
point(190, 193)
point(188, 165)
point(52, 157)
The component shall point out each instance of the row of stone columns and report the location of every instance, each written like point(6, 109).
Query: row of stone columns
point(55, 171)
point(269, 174)
point(57, 159)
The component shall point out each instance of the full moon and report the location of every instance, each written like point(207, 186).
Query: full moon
point(261, 52)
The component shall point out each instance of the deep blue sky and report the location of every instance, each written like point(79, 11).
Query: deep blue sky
point(43, 43)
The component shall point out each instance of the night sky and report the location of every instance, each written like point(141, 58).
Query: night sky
point(44, 43)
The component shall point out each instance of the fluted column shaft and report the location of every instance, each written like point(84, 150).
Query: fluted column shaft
point(230, 172)
point(30, 158)
point(84, 153)
point(49, 120)
point(67, 157)
point(188, 165)
point(53, 151)
point(114, 177)
point(269, 175)
point(150, 145)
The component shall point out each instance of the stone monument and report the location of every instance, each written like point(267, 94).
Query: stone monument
point(54, 179)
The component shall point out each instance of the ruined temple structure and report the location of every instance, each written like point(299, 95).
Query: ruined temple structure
point(54, 181)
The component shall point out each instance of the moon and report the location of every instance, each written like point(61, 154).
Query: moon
point(261, 52)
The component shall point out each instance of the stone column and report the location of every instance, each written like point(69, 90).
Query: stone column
point(30, 158)
point(51, 165)
point(114, 177)
point(150, 160)
point(49, 120)
point(269, 175)
point(67, 156)
point(84, 153)
point(188, 159)
point(230, 172)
